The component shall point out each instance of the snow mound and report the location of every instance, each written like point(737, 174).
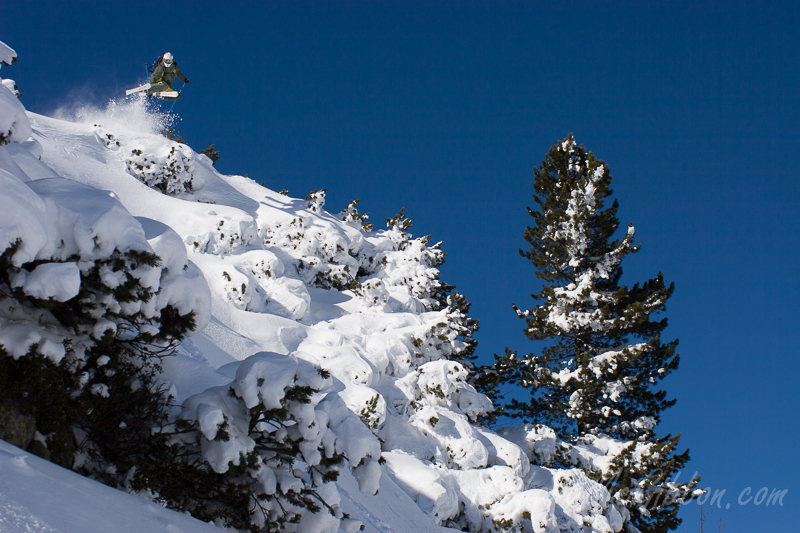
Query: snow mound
point(14, 125)
point(7, 54)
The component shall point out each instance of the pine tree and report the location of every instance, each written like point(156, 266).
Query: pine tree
point(597, 376)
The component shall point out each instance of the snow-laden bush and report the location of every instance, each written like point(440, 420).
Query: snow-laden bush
point(88, 310)
point(351, 216)
point(316, 199)
point(228, 235)
point(322, 255)
point(402, 274)
point(412, 264)
point(168, 171)
point(442, 405)
point(258, 454)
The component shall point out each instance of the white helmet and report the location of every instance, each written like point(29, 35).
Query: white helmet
point(167, 59)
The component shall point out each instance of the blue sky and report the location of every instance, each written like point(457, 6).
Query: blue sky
point(445, 107)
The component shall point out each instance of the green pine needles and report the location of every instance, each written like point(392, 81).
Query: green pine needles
point(597, 376)
point(212, 154)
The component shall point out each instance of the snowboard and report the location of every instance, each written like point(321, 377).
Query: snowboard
point(137, 89)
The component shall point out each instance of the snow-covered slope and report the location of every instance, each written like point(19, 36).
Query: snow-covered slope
point(38, 496)
point(288, 284)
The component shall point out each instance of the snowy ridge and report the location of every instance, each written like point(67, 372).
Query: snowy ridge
point(280, 288)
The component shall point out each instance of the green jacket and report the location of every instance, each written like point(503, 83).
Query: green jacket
point(167, 74)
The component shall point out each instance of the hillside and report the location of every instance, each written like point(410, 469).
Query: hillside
point(279, 287)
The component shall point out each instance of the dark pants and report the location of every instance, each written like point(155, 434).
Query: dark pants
point(160, 87)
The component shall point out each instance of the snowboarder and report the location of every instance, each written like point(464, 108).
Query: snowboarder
point(164, 76)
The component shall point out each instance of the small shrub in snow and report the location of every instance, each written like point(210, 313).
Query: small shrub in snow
point(212, 154)
point(255, 455)
point(399, 222)
point(226, 236)
point(316, 199)
point(171, 173)
point(351, 215)
point(370, 415)
point(412, 263)
point(322, 256)
point(373, 293)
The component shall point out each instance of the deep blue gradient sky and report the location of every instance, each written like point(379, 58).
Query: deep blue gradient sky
point(445, 107)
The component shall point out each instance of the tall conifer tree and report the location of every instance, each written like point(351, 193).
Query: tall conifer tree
point(597, 376)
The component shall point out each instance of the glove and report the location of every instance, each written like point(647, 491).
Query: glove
point(187, 80)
